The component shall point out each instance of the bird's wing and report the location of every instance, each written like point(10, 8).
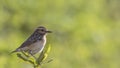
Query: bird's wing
point(32, 39)
point(27, 43)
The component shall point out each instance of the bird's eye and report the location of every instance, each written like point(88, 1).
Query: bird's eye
point(42, 30)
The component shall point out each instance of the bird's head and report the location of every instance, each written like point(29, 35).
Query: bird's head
point(43, 30)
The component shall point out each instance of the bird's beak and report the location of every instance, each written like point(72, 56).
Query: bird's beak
point(48, 31)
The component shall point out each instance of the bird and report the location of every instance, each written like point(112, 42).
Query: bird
point(35, 43)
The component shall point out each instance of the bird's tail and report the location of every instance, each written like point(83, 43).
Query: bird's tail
point(13, 52)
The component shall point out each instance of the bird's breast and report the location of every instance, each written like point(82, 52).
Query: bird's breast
point(38, 46)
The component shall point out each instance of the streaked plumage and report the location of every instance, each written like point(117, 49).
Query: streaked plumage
point(35, 43)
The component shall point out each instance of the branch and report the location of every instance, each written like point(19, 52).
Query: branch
point(35, 62)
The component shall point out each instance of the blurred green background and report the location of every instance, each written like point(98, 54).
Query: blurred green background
point(86, 33)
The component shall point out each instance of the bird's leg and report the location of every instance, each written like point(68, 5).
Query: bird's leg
point(30, 52)
point(25, 54)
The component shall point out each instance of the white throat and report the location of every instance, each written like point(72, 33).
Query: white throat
point(44, 39)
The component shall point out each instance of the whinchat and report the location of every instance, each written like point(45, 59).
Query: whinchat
point(35, 43)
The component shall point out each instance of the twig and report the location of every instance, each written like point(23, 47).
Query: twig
point(36, 62)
